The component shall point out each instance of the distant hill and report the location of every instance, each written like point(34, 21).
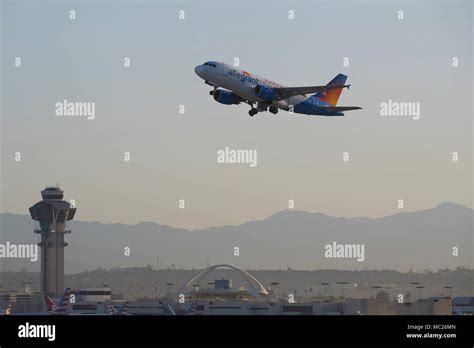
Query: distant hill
point(420, 240)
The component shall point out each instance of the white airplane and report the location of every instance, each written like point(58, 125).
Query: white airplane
point(234, 86)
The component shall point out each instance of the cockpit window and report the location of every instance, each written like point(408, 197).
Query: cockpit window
point(210, 64)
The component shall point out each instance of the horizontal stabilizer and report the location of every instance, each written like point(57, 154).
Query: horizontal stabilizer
point(341, 108)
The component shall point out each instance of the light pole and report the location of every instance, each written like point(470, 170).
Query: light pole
point(420, 287)
point(324, 288)
point(274, 290)
point(169, 285)
point(414, 290)
point(388, 291)
point(342, 287)
point(449, 290)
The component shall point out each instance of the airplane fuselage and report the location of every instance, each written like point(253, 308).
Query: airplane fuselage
point(243, 84)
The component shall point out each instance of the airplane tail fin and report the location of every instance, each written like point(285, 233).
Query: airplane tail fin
point(331, 96)
point(60, 306)
point(8, 310)
point(124, 309)
point(49, 302)
point(111, 309)
point(168, 310)
point(66, 296)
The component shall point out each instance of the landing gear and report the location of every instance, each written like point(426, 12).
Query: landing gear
point(253, 111)
point(273, 110)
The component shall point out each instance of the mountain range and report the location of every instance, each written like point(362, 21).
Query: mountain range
point(293, 239)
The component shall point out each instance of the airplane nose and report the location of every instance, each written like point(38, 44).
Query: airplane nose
point(199, 70)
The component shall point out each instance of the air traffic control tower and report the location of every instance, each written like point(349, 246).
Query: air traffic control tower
point(52, 214)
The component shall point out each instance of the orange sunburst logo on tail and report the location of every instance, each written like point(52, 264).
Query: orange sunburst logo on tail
point(331, 96)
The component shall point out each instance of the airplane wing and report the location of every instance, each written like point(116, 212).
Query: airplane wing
point(341, 108)
point(287, 92)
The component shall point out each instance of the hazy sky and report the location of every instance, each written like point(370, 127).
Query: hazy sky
point(173, 156)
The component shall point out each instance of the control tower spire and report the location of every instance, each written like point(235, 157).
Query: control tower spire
point(52, 213)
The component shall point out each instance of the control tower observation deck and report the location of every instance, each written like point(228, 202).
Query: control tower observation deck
point(52, 213)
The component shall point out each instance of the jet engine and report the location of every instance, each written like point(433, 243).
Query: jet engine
point(226, 97)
